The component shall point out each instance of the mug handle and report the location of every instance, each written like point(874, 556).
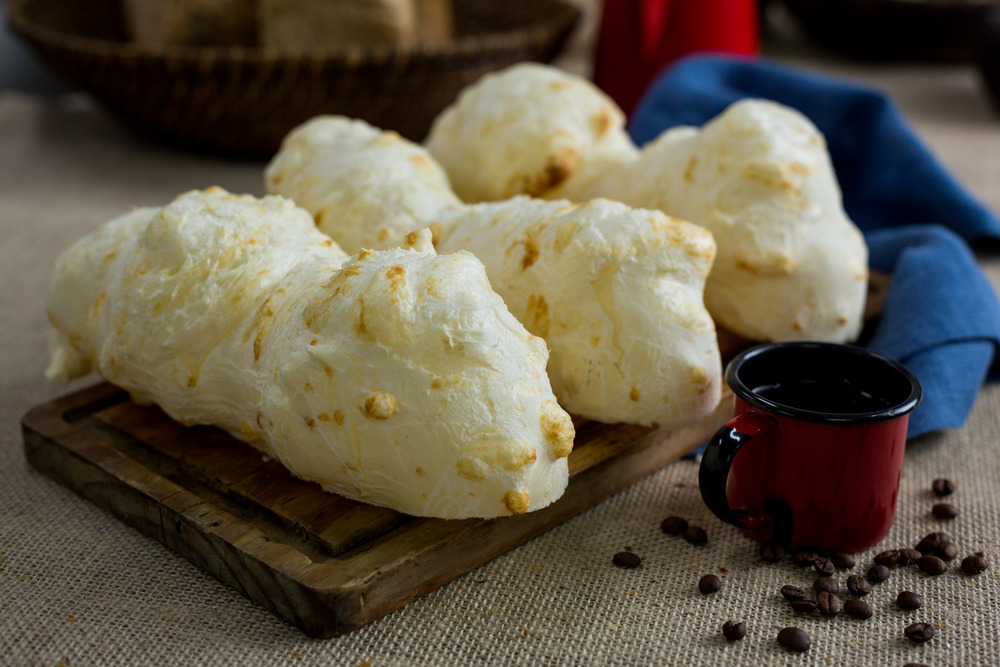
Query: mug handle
point(718, 459)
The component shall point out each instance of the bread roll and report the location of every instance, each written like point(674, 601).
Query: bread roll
point(790, 266)
point(397, 377)
point(529, 129)
point(615, 292)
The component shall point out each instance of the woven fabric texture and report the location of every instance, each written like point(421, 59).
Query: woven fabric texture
point(77, 587)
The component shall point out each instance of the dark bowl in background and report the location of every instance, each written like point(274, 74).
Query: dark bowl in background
point(927, 30)
point(987, 54)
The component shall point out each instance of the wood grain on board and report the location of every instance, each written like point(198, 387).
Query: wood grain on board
point(322, 562)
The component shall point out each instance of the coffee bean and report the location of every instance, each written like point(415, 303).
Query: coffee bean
point(843, 561)
point(824, 566)
point(908, 601)
point(734, 631)
point(792, 593)
point(878, 573)
point(947, 551)
point(908, 556)
point(805, 557)
point(888, 558)
point(858, 609)
point(975, 564)
point(858, 585)
point(771, 553)
point(794, 639)
point(804, 606)
point(918, 633)
point(626, 559)
point(932, 565)
point(943, 487)
point(709, 584)
point(673, 525)
point(829, 604)
point(696, 535)
point(944, 511)
point(828, 584)
point(930, 543)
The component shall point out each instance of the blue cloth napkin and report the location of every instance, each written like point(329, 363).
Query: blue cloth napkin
point(941, 318)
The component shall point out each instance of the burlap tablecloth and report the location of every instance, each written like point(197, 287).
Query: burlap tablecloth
point(77, 587)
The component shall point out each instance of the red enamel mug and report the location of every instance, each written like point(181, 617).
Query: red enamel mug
point(813, 453)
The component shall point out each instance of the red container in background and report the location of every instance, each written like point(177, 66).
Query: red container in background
point(638, 38)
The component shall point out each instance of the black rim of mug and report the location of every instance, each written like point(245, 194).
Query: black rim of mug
point(898, 409)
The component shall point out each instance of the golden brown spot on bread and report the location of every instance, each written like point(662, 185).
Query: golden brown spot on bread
point(530, 253)
point(260, 419)
point(471, 469)
point(192, 381)
point(557, 170)
point(797, 325)
point(689, 170)
point(537, 316)
point(516, 501)
point(247, 432)
point(419, 470)
point(338, 417)
point(516, 454)
point(633, 394)
point(307, 387)
point(262, 314)
point(602, 121)
point(365, 254)
point(842, 320)
point(557, 429)
point(395, 275)
point(595, 340)
point(698, 375)
point(380, 405)
point(359, 326)
point(320, 217)
point(323, 417)
point(564, 234)
point(383, 234)
point(310, 422)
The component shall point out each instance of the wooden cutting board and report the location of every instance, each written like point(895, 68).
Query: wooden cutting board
point(321, 562)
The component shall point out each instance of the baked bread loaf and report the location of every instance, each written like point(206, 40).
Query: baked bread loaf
point(191, 22)
point(366, 188)
point(615, 292)
point(529, 129)
point(395, 377)
point(790, 264)
point(333, 24)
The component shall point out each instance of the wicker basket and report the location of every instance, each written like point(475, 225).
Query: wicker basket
point(241, 101)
